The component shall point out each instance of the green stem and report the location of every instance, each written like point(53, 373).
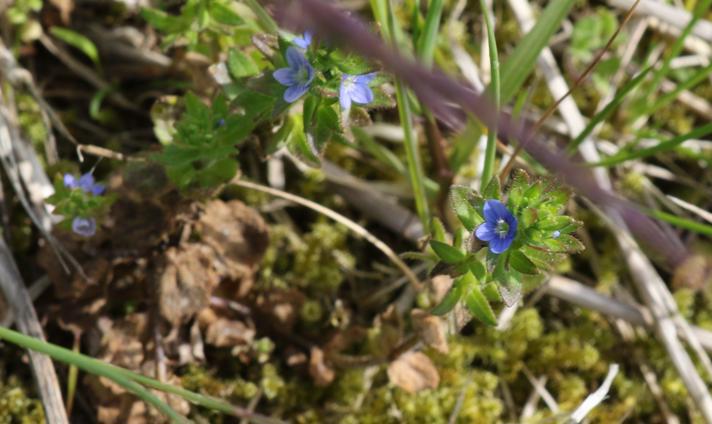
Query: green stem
point(491, 149)
point(415, 167)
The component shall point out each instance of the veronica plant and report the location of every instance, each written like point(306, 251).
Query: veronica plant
point(506, 242)
point(80, 201)
point(265, 83)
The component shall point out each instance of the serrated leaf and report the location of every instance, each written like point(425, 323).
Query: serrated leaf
point(492, 191)
point(572, 244)
point(447, 253)
point(521, 263)
point(450, 300)
point(533, 193)
point(478, 305)
point(520, 183)
point(241, 65)
point(460, 201)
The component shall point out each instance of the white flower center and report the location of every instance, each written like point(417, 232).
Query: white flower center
point(502, 228)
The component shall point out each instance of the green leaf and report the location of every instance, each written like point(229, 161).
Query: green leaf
point(519, 262)
point(241, 65)
point(565, 243)
point(447, 253)
point(450, 300)
point(298, 144)
point(510, 289)
point(78, 41)
point(492, 191)
point(218, 172)
point(437, 229)
point(476, 267)
point(224, 14)
point(476, 302)
point(162, 21)
point(520, 64)
point(460, 201)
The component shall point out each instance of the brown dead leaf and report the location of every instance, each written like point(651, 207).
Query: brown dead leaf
point(186, 282)
point(440, 285)
point(695, 273)
point(431, 329)
point(228, 333)
point(65, 8)
point(237, 234)
point(322, 374)
point(413, 372)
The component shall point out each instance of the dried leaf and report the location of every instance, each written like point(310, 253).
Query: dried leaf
point(413, 372)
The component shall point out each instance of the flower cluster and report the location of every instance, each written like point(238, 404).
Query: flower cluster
point(299, 75)
point(83, 225)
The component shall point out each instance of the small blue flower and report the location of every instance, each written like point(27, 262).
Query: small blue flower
point(354, 88)
point(85, 227)
point(297, 77)
point(556, 234)
point(85, 183)
point(304, 41)
point(499, 228)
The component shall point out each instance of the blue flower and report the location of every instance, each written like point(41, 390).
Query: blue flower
point(297, 77)
point(354, 88)
point(304, 41)
point(85, 183)
point(499, 228)
point(85, 227)
point(556, 234)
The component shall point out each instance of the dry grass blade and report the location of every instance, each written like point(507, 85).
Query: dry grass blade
point(521, 6)
point(351, 225)
point(26, 318)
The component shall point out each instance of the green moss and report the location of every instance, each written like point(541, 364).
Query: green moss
point(16, 406)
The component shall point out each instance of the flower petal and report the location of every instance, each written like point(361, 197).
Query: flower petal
point(86, 182)
point(70, 181)
point(494, 210)
point(285, 76)
point(304, 41)
point(295, 58)
point(294, 92)
point(98, 189)
point(310, 72)
point(344, 96)
point(365, 78)
point(498, 245)
point(84, 226)
point(361, 93)
point(485, 232)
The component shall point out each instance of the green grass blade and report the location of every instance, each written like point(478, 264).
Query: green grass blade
point(429, 37)
point(608, 109)
point(661, 147)
point(521, 62)
point(494, 91)
point(415, 167)
point(677, 47)
point(691, 82)
point(681, 222)
point(92, 366)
